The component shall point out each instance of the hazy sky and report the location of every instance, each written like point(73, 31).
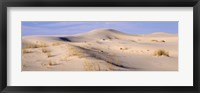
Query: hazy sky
point(69, 28)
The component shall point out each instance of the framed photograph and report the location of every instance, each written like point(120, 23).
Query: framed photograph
point(134, 46)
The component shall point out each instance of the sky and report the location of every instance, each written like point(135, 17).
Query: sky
point(70, 28)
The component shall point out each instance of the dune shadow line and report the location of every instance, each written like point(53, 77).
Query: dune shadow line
point(64, 39)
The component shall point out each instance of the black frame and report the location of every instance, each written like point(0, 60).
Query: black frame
point(101, 3)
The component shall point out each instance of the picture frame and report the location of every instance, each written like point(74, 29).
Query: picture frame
point(103, 3)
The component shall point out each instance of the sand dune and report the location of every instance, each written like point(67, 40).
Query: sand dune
point(101, 50)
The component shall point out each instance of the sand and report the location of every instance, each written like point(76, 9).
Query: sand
point(101, 50)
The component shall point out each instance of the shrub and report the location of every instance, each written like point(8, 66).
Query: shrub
point(157, 40)
point(53, 63)
point(64, 58)
point(123, 48)
point(91, 66)
point(161, 52)
point(133, 41)
point(37, 44)
point(57, 43)
point(49, 54)
point(75, 51)
point(162, 40)
point(27, 51)
point(154, 40)
point(44, 50)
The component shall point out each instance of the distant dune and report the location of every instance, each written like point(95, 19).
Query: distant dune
point(101, 50)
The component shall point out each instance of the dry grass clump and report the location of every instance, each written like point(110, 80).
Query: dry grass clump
point(161, 52)
point(53, 63)
point(37, 44)
point(154, 40)
point(100, 51)
point(162, 41)
point(50, 63)
point(110, 38)
point(57, 43)
point(49, 54)
point(132, 40)
point(64, 58)
point(158, 40)
point(24, 51)
point(75, 51)
point(91, 66)
point(123, 48)
point(45, 50)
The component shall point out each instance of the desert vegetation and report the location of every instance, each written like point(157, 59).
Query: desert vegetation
point(158, 40)
point(91, 66)
point(53, 63)
point(25, 50)
point(123, 48)
point(57, 43)
point(37, 44)
point(100, 51)
point(161, 52)
point(49, 54)
point(45, 50)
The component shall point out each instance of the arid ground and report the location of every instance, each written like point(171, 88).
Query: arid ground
point(101, 50)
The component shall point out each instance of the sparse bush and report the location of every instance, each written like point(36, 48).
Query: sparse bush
point(133, 41)
point(63, 58)
point(161, 52)
point(57, 43)
point(101, 51)
point(123, 48)
point(28, 46)
point(162, 40)
point(44, 50)
point(91, 66)
point(37, 44)
point(53, 63)
point(74, 51)
point(49, 54)
point(26, 51)
point(110, 38)
point(154, 40)
point(158, 40)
